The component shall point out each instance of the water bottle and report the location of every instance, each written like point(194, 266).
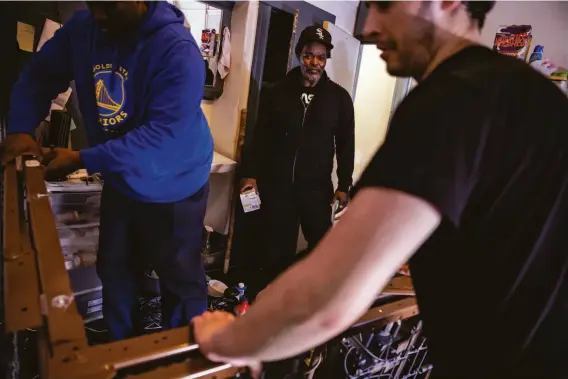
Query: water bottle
point(537, 54)
point(241, 288)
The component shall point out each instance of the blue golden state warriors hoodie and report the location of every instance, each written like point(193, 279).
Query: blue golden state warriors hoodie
point(140, 100)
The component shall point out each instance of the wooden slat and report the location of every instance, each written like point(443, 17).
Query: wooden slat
point(401, 285)
point(65, 325)
point(383, 314)
point(21, 293)
point(114, 356)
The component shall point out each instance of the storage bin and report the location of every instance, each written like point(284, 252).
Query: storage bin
point(76, 209)
point(77, 216)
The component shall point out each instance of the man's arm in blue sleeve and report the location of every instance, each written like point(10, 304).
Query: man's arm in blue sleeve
point(173, 109)
point(48, 75)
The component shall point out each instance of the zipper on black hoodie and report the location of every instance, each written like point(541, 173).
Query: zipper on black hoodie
point(298, 144)
point(306, 107)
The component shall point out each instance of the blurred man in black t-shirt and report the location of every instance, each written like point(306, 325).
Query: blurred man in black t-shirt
point(471, 183)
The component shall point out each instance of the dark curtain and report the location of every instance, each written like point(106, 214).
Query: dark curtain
point(10, 58)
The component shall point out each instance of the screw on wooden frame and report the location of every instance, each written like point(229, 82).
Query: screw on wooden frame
point(62, 301)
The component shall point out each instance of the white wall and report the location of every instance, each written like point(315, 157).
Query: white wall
point(345, 12)
point(549, 20)
point(373, 100)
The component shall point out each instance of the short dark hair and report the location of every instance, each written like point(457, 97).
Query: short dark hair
point(478, 10)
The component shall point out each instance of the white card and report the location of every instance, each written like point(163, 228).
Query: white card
point(250, 201)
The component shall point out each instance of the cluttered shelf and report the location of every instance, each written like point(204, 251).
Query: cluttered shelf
point(220, 165)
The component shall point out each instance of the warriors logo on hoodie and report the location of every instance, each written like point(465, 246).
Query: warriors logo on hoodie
point(110, 94)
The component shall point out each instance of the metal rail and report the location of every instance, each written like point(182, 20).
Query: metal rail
point(382, 315)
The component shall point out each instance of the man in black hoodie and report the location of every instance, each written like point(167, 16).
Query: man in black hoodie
point(304, 121)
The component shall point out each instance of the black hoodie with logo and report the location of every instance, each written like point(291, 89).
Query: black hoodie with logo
point(298, 132)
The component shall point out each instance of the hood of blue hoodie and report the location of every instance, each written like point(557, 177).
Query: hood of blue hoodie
point(160, 14)
point(115, 63)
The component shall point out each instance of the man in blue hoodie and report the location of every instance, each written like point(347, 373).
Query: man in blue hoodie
point(139, 77)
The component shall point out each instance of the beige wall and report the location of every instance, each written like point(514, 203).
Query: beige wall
point(223, 114)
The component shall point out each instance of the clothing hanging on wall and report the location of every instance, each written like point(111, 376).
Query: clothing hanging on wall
point(225, 59)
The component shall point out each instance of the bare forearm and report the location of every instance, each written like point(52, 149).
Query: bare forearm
point(292, 316)
point(324, 294)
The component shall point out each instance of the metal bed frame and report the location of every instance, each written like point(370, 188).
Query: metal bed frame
point(38, 295)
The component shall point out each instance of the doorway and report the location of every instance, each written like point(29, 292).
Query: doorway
point(278, 29)
point(278, 43)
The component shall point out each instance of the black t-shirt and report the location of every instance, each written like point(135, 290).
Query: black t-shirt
point(485, 140)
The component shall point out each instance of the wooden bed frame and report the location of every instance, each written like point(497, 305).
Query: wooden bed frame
point(38, 296)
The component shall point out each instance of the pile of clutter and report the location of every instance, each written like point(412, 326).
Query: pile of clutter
point(151, 313)
point(228, 299)
point(220, 298)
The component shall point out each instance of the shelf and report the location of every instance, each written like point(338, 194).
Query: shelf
point(222, 164)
